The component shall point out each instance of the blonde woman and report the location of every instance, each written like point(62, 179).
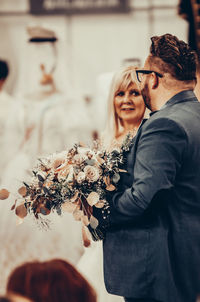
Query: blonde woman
point(125, 107)
point(126, 110)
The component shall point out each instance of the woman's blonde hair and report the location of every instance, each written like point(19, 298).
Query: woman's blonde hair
point(121, 81)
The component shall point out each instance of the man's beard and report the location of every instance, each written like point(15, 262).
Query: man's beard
point(146, 96)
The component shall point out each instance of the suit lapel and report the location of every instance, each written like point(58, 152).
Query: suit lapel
point(134, 148)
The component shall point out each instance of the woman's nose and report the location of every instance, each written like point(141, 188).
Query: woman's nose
point(126, 98)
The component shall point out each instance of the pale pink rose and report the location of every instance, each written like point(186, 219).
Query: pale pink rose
point(92, 173)
point(80, 177)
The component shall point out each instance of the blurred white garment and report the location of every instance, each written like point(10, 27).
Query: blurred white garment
point(27, 136)
point(91, 266)
point(39, 126)
point(103, 83)
point(6, 103)
point(42, 125)
point(44, 121)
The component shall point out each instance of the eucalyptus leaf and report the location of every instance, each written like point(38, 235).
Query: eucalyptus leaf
point(46, 191)
point(25, 184)
point(90, 162)
point(93, 222)
point(40, 184)
point(40, 178)
point(58, 210)
point(116, 178)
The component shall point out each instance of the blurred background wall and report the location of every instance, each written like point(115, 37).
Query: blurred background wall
point(89, 44)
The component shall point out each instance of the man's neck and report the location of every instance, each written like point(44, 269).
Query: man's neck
point(165, 97)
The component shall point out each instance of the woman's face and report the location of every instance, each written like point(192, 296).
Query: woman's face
point(129, 105)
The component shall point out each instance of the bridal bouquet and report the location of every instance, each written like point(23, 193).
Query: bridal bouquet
point(74, 181)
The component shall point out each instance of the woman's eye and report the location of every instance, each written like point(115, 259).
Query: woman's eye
point(134, 92)
point(120, 93)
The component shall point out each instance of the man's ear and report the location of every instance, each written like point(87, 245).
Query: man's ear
point(154, 81)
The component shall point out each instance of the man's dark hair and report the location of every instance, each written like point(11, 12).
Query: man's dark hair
point(173, 56)
point(4, 70)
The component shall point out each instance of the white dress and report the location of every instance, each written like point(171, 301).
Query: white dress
point(51, 130)
point(91, 266)
point(6, 104)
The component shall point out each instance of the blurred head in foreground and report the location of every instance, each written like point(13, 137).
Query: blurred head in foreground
point(50, 281)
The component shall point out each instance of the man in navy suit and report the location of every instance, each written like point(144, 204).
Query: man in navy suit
point(152, 247)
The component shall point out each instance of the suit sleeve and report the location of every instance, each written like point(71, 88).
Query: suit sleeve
point(158, 160)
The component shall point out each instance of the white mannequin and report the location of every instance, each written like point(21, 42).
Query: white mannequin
point(6, 103)
point(44, 121)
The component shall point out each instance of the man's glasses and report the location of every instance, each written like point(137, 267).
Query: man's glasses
point(140, 72)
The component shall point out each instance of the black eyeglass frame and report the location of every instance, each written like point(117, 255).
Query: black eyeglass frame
point(144, 71)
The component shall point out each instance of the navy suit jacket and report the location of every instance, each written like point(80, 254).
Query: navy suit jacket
point(153, 246)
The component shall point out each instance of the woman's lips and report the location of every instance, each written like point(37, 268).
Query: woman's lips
point(127, 109)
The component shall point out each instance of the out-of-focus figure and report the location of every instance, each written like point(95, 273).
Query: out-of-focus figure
point(6, 103)
point(50, 281)
point(43, 121)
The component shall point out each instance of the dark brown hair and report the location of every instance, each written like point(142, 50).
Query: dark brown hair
point(50, 281)
point(173, 56)
point(5, 299)
point(4, 70)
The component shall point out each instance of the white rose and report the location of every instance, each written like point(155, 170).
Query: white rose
point(80, 177)
point(92, 173)
point(79, 158)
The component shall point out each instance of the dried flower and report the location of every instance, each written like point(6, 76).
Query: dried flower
point(22, 191)
point(21, 211)
point(93, 198)
point(4, 194)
